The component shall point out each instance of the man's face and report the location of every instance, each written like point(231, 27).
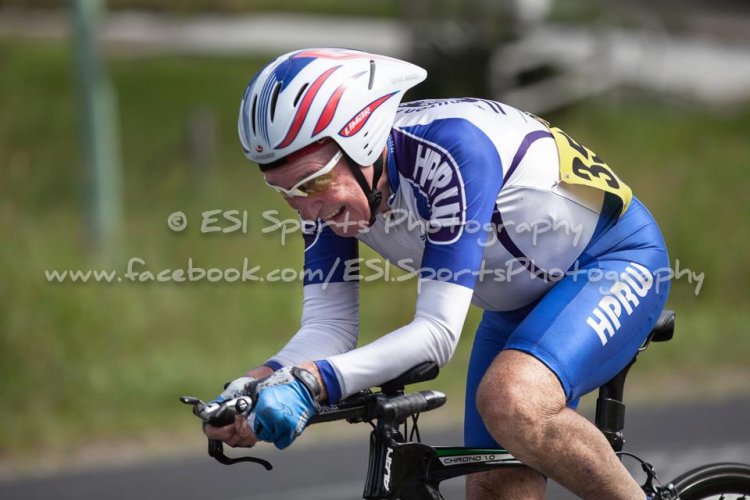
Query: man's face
point(334, 197)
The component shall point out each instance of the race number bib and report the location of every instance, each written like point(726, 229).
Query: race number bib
point(580, 165)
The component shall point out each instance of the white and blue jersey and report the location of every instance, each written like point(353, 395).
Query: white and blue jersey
point(490, 206)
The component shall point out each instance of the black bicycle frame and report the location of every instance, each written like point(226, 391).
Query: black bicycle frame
point(414, 471)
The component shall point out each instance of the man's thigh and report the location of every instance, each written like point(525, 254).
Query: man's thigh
point(591, 324)
point(585, 330)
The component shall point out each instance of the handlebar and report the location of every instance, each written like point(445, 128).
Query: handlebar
point(221, 413)
point(390, 408)
point(401, 407)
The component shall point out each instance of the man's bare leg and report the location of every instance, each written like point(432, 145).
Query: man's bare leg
point(511, 483)
point(524, 408)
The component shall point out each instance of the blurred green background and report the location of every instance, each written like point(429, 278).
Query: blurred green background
point(84, 362)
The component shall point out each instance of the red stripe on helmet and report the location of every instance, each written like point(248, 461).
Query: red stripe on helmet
point(359, 120)
point(342, 54)
point(330, 109)
point(304, 107)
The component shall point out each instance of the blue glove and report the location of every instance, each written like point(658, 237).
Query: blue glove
point(283, 408)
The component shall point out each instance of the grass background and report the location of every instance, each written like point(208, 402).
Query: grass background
point(91, 362)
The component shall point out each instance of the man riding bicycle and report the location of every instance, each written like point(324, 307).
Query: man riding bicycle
point(488, 205)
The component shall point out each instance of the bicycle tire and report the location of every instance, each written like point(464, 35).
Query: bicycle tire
point(711, 480)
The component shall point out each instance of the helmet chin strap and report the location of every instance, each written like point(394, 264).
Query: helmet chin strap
point(374, 197)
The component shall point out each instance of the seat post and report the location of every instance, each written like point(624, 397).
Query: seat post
point(610, 410)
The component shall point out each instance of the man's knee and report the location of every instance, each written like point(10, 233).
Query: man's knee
point(517, 393)
point(500, 400)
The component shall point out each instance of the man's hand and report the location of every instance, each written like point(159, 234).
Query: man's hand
point(240, 432)
point(286, 400)
point(285, 403)
point(237, 434)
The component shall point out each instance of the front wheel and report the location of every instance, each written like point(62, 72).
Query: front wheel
point(722, 481)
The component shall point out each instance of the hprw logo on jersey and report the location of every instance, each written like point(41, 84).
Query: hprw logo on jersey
point(439, 179)
point(634, 283)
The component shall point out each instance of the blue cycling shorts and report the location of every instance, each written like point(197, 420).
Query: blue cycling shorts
point(589, 325)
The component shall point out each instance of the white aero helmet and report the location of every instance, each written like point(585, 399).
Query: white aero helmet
point(308, 95)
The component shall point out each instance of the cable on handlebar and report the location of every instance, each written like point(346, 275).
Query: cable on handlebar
point(415, 429)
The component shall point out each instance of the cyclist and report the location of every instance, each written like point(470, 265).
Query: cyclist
point(488, 205)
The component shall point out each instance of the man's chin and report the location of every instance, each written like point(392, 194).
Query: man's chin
point(347, 228)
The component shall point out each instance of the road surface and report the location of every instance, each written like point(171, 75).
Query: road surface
point(674, 438)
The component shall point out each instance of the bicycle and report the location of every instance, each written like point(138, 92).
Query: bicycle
point(408, 469)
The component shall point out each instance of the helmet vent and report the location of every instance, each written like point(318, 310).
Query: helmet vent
point(299, 94)
point(274, 98)
point(252, 112)
point(372, 74)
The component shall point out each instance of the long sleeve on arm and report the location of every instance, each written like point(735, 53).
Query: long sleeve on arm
point(330, 324)
point(431, 336)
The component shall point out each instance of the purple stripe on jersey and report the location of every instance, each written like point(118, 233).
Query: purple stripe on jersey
point(504, 239)
point(523, 148)
point(495, 106)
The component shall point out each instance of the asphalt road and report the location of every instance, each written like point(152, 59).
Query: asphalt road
point(673, 438)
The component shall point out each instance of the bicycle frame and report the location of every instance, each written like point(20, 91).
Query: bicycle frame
point(414, 471)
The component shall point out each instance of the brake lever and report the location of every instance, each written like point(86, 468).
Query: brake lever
point(220, 417)
point(219, 414)
point(216, 450)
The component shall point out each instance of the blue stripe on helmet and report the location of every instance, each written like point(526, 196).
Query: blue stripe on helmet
point(263, 102)
point(287, 70)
